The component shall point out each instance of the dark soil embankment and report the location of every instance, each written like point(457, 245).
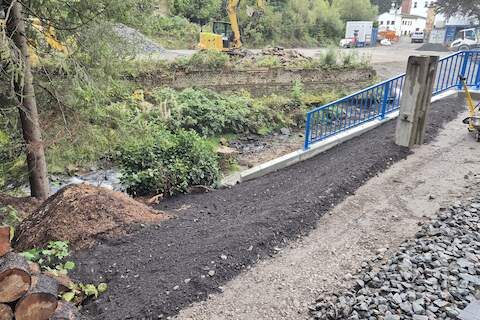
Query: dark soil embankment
point(164, 268)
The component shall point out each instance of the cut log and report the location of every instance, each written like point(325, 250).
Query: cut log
point(5, 246)
point(64, 282)
point(40, 302)
point(34, 268)
point(66, 311)
point(6, 312)
point(14, 277)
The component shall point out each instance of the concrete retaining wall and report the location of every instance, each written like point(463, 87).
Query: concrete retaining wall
point(262, 81)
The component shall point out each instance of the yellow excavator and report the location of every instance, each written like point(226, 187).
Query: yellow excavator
point(226, 36)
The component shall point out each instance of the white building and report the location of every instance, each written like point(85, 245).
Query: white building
point(412, 23)
point(402, 21)
point(417, 7)
point(390, 21)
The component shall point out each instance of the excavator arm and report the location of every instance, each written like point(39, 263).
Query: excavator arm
point(232, 10)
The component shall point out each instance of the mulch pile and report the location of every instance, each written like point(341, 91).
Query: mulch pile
point(83, 215)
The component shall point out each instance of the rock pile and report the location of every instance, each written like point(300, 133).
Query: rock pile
point(434, 276)
point(285, 57)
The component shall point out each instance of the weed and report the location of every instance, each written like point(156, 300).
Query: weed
point(297, 92)
point(270, 62)
point(329, 58)
point(52, 258)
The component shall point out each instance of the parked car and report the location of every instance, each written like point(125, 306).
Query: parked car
point(418, 36)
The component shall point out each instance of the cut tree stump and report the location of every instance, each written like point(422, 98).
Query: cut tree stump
point(5, 246)
point(15, 277)
point(6, 312)
point(40, 302)
point(66, 311)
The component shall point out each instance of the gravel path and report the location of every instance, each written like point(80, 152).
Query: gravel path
point(434, 276)
point(366, 226)
point(159, 270)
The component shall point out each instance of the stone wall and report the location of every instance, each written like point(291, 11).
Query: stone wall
point(262, 81)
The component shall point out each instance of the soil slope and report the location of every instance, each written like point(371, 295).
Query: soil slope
point(164, 268)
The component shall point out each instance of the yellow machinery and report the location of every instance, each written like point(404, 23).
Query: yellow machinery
point(473, 120)
point(226, 35)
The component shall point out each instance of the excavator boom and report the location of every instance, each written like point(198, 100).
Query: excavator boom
point(227, 36)
point(232, 10)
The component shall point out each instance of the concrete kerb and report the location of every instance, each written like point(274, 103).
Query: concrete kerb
point(315, 149)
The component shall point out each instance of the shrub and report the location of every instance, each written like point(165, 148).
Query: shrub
point(269, 62)
point(172, 32)
point(206, 112)
point(167, 163)
point(329, 58)
point(202, 60)
point(297, 92)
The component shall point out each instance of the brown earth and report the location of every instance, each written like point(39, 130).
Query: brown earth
point(83, 215)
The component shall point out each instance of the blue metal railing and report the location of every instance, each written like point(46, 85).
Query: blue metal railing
point(377, 101)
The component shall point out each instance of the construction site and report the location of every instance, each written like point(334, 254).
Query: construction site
point(143, 177)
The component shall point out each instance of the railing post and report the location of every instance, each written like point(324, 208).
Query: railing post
point(385, 100)
point(307, 132)
point(477, 67)
point(463, 70)
point(416, 100)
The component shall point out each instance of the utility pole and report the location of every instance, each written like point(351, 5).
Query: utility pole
point(416, 100)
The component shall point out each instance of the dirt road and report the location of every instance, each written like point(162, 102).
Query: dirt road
point(159, 270)
point(382, 214)
point(387, 61)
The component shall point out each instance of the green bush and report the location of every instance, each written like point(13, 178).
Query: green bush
point(297, 92)
point(172, 32)
point(207, 112)
point(167, 163)
point(202, 60)
point(329, 58)
point(269, 62)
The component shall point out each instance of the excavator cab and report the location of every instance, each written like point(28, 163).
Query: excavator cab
point(225, 30)
point(219, 39)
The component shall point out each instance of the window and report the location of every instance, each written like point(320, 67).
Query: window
point(393, 22)
point(470, 35)
point(388, 22)
point(426, 4)
point(415, 4)
point(381, 22)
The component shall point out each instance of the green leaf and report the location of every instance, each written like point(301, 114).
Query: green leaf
point(68, 296)
point(69, 265)
point(90, 290)
point(102, 287)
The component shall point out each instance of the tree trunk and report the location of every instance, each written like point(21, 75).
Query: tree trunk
point(40, 302)
point(25, 94)
point(14, 277)
point(6, 312)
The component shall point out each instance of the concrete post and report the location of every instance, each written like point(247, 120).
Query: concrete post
point(416, 100)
